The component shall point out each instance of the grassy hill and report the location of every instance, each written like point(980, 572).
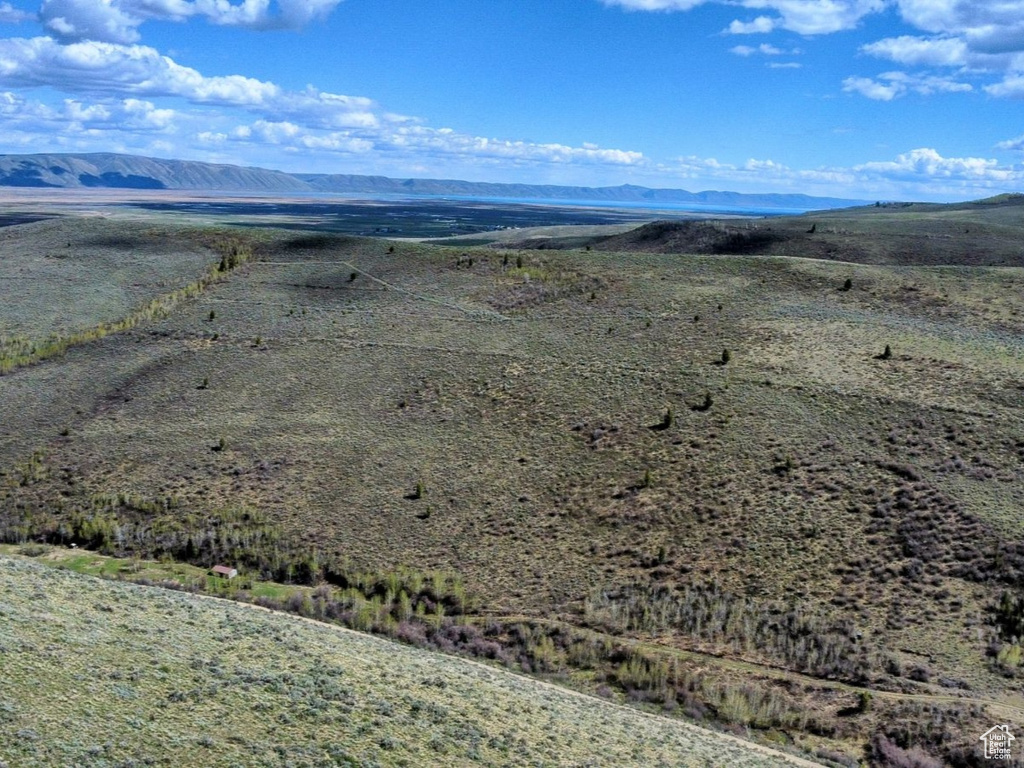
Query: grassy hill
point(982, 233)
point(98, 673)
point(562, 433)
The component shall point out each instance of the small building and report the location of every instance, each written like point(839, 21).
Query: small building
point(224, 571)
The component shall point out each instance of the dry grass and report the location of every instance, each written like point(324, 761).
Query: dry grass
point(99, 673)
point(876, 491)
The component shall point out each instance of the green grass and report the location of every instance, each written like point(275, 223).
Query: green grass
point(100, 673)
point(526, 409)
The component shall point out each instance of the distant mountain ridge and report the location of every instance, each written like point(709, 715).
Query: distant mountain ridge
point(116, 171)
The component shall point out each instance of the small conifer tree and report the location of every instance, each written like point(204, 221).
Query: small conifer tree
point(668, 418)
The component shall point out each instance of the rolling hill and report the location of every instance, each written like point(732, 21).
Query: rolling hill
point(98, 673)
point(979, 233)
point(779, 493)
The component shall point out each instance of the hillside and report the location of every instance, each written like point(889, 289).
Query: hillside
point(98, 673)
point(982, 233)
point(108, 170)
point(689, 457)
point(625, 193)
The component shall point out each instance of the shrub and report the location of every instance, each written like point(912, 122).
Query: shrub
point(668, 419)
point(864, 701)
point(706, 405)
point(726, 356)
point(889, 754)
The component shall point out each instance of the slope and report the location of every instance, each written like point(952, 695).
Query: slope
point(100, 673)
point(982, 233)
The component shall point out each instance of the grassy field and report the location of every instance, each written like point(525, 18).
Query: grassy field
point(99, 673)
point(563, 431)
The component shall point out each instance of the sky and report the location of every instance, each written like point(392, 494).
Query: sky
point(866, 99)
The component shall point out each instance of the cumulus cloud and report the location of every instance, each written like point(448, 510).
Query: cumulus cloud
point(817, 17)
point(981, 38)
point(928, 163)
point(890, 85)
point(109, 68)
point(117, 21)
point(763, 48)
point(914, 51)
point(73, 117)
point(923, 172)
point(120, 78)
point(11, 15)
point(655, 5)
point(807, 17)
point(1016, 144)
point(97, 67)
point(759, 26)
point(417, 143)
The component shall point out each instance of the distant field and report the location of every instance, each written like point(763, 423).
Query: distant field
point(98, 673)
point(392, 217)
point(564, 430)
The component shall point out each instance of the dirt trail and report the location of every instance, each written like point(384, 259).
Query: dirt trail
point(996, 706)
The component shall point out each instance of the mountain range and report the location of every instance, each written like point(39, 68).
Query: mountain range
point(110, 170)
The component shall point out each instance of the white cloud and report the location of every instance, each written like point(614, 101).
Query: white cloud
point(117, 21)
point(891, 85)
point(759, 26)
point(1011, 86)
point(872, 89)
point(996, 26)
point(655, 5)
point(918, 174)
point(915, 51)
point(817, 17)
point(807, 17)
point(310, 118)
point(11, 15)
point(417, 141)
point(73, 117)
point(763, 48)
point(1016, 144)
point(96, 67)
point(983, 38)
point(929, 164)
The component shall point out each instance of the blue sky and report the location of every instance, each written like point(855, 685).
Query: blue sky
point(875, 99)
